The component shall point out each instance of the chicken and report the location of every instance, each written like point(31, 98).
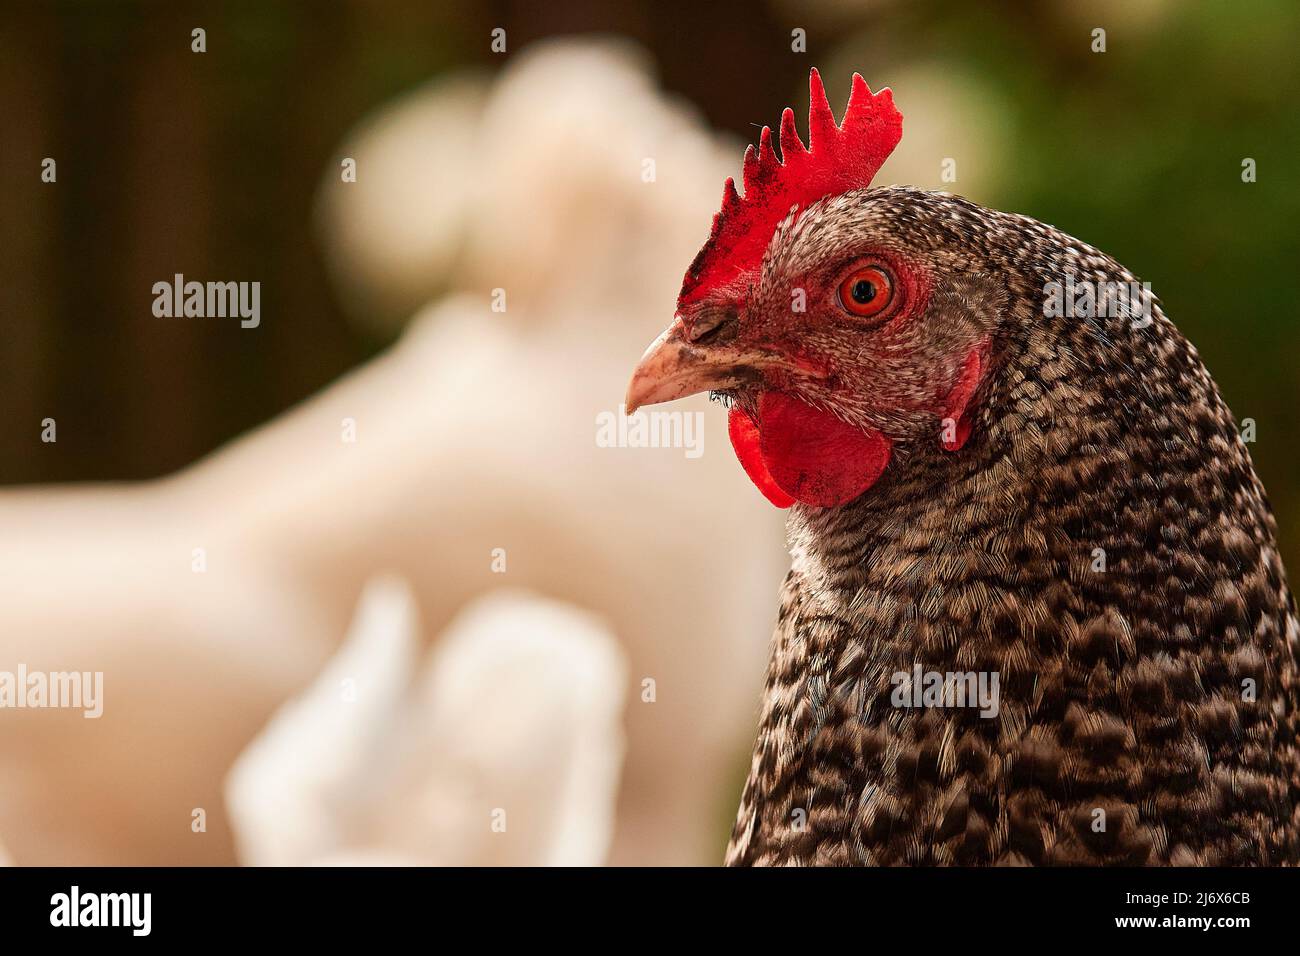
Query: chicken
point(1036, 613)
point(501, 748)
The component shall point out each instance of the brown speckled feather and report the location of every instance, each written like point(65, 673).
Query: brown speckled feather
point(1121, 690)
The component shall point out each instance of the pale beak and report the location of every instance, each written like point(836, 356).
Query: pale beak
point(674, 367)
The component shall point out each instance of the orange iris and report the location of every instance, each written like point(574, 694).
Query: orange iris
point(867, 291)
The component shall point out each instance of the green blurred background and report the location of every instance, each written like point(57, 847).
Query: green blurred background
point(170, 161)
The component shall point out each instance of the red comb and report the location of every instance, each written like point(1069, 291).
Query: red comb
point(836, 160)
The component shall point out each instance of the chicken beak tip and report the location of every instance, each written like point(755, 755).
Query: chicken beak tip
point(660, 360)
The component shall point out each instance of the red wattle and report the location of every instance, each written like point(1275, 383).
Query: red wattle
point(745, 440)
point(805, 454)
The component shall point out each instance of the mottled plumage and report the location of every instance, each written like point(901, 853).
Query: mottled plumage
point(1121, 689)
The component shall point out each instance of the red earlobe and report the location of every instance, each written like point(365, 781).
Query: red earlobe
point(956, 413)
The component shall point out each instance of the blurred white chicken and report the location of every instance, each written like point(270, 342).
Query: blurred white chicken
point(477, 432)
point(504, 748)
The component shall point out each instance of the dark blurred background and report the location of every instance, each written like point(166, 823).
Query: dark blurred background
point(171, 161)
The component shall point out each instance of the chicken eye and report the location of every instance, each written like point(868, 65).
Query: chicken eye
point(867, 291)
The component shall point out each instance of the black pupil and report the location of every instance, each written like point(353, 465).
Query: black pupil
point(864, 290)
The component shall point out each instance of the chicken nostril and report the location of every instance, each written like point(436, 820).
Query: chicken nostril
point(714, 325)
